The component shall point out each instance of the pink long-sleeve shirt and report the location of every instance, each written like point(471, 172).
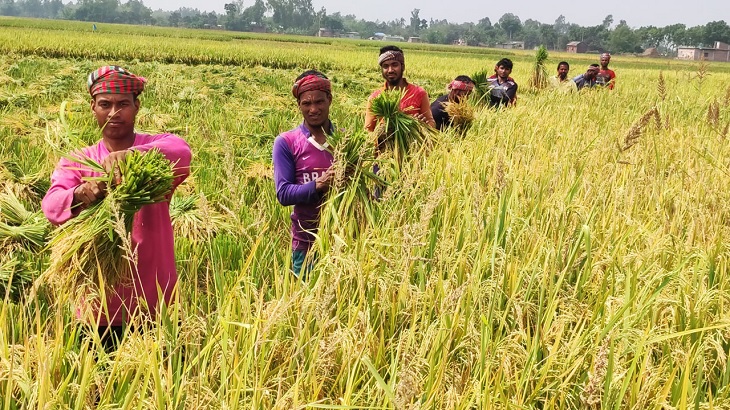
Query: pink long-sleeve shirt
point(152, 234)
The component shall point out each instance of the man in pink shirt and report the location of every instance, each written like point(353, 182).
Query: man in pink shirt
point(114, 103)
point(415, 100)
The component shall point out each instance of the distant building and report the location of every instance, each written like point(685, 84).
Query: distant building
point(414, 39)
point(460, 42)
point(720, 52)
point(325, 32)
point(576, 47)
point(258, 28)
point(511, 45)
point(350, 34)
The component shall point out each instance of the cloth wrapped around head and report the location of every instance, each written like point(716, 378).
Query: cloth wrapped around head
point(113, 79)
point(311, 82)
point(606, 55)
point(391, 55)
point(460, 85)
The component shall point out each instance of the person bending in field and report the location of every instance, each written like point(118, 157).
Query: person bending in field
point(459, 89)
point(302, 165)
point(606, 77)
point(561, 81)
point(503, 88)
point(115, 103)
point(415, 99)
point(588, 79)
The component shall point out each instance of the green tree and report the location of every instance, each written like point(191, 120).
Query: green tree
point(292, 15)
point(510, 24)
point(716, 31)
point(623, 39)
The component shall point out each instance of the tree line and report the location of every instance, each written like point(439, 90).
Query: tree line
point(300, 17)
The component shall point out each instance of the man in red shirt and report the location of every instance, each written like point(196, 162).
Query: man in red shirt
point(606, 77)
point(415, 100)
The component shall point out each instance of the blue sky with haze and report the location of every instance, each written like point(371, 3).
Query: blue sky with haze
point(636, 13)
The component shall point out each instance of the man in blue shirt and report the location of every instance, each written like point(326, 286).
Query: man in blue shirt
point(588, 79)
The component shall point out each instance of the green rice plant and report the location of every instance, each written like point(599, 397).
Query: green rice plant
point(94, 248)
point(396, 130)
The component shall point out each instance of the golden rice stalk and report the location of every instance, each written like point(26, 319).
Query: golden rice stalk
point(713, 113)
point(661, 87)
point(637, 129)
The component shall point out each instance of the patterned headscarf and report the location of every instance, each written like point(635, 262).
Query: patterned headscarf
point(113, 79)
point(461, 85)
point(606, 55)
point(391, 55)
point(310, 83)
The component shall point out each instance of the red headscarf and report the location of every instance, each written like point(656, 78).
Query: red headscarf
point(311, 82)
point(461, 85)
point(113, 79)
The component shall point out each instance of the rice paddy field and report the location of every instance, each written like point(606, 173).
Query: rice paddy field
point(571, 252)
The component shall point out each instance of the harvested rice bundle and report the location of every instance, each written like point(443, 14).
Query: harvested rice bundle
point(26, 186)
point(396, 130)
point(482, 88)
point(349, 200)
point(93, 248)
point(19, 227)
point(461, 114)
point(539, 77)
point(193, 218)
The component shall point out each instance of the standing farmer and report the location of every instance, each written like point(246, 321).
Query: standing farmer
point(114, 103)
point(302, 164)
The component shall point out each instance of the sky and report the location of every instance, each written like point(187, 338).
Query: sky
point(636, 13)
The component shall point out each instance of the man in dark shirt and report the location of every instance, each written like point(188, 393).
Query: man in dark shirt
point(588, 79)
point(459, 89)
point(503, 89)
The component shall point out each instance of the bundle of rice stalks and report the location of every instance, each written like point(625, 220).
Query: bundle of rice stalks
point(29, 187)
point(396, 130)
point(461, 114)
point(193, 218)
point(15, 277)
point(482, 88)
point(20, 228)
point(539, 77)
point(349, 202)
point(94, 248)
